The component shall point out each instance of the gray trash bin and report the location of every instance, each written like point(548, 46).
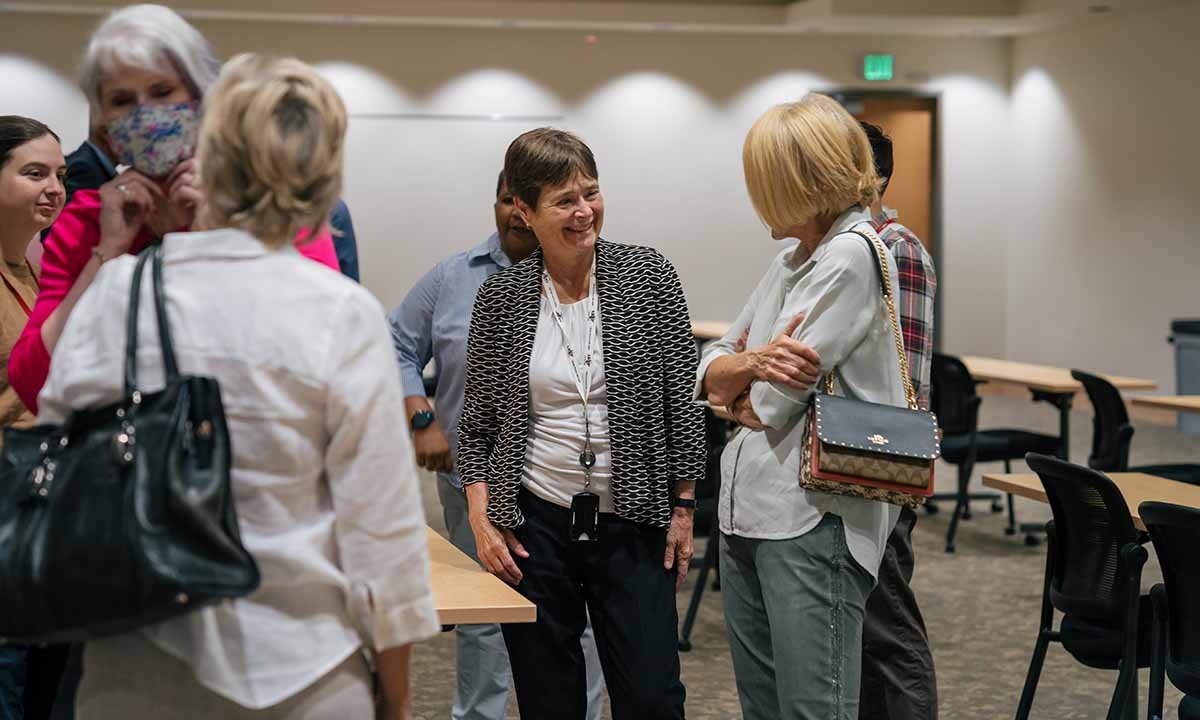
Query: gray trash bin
point(1185, 334)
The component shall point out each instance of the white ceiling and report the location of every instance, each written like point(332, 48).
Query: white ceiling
point(766, 17)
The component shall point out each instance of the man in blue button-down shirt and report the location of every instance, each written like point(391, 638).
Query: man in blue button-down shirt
point(432, 323)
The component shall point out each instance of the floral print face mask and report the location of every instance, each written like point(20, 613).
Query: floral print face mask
point(153, 139)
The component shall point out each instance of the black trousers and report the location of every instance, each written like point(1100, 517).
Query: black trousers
point(618, 579)
point(898, 681)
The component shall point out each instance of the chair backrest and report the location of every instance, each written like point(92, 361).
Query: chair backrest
point(952, 395)
point(1092, 524)
point(1111, 431)
point(1175, 530)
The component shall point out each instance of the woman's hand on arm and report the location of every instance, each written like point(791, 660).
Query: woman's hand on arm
point(495, 546)
point(784, 360)
point(395, 690)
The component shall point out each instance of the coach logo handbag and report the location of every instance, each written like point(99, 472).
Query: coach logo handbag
point(870, 450)
point(123, 515)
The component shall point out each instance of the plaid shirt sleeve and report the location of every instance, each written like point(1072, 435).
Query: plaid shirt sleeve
point(918, 285)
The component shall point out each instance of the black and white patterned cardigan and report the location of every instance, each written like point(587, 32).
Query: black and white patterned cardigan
point(650, 359)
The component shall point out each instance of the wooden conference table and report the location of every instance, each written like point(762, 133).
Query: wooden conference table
point(1136, 488)
point(1048, 384)
point(705, 330)
point(1180, 403)
point(464, 594)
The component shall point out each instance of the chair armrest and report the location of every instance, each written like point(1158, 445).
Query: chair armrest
point(1133, 559)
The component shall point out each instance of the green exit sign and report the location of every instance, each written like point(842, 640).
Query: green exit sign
point(877, 67)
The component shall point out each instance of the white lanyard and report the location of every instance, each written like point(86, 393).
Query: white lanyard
point(583, 379)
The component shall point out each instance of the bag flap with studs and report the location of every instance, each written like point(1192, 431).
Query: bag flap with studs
point(870, 427)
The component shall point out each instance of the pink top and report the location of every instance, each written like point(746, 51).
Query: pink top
point(67, 249)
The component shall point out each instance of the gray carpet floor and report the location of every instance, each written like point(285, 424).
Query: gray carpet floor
point(981, 604)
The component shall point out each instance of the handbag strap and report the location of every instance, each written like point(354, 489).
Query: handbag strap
point(879, 255)
point(160, 311)
point(154, 252)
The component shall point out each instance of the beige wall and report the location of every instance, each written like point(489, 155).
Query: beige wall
point(1103, 249)
point(665, 114)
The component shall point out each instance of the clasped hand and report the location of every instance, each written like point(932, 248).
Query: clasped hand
point(785, 360)
point(131, 201)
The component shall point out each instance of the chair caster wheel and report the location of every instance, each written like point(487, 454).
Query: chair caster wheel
point(685, 646)
point(931, 509)
point(997, 506)
point(1010, 531)
point(967, 515)
point(1033, 540)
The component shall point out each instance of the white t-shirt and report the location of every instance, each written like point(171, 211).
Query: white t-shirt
point(556, 433)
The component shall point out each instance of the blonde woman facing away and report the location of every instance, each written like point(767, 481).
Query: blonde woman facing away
point(325, 487)
point(797, 566)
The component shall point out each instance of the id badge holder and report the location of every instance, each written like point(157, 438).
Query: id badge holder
point(585, 517)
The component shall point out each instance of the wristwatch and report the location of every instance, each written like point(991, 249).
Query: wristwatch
point(683, 502)
point(421, 419)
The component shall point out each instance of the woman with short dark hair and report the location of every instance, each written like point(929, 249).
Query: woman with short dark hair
point(579, 446)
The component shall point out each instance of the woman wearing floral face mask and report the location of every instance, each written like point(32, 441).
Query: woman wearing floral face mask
point(145, 73)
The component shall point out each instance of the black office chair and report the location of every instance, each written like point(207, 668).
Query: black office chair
point(954, 400)
point(1175, 531)
point(1094, 564)
point(705, 519)
point(1113, 434)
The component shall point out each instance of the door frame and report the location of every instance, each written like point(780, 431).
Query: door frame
point(847, 94)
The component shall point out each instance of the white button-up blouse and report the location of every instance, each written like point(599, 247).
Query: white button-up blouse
point(323, 472)
point(846, 322)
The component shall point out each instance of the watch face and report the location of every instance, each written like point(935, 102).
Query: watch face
point(422, 420)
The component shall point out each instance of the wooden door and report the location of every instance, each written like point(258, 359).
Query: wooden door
point(909, 122)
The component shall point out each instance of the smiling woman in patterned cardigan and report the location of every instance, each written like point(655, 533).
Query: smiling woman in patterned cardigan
point(578, 395)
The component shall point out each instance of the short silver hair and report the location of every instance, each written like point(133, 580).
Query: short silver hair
point(147, 36)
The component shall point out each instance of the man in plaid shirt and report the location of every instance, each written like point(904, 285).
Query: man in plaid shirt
point(897, 674)
point(918, 284)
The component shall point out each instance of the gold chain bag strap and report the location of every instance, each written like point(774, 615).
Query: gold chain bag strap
point(870, 450)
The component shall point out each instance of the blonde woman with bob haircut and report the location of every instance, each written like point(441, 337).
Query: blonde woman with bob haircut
point(326, 488)
point(797, 566)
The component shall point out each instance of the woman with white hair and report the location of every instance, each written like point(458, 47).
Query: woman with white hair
point(325, 486)
point(136, 37)
point(145, 72)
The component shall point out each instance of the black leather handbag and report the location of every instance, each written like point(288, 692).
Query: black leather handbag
point(123, 515)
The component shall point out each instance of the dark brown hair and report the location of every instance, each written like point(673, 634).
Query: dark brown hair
point(543, 158)
point(15, 131)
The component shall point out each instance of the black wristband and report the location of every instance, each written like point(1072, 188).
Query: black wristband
point(683, 502)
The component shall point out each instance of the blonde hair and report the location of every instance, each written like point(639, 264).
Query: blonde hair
point(271, 148)
point(807, 159)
